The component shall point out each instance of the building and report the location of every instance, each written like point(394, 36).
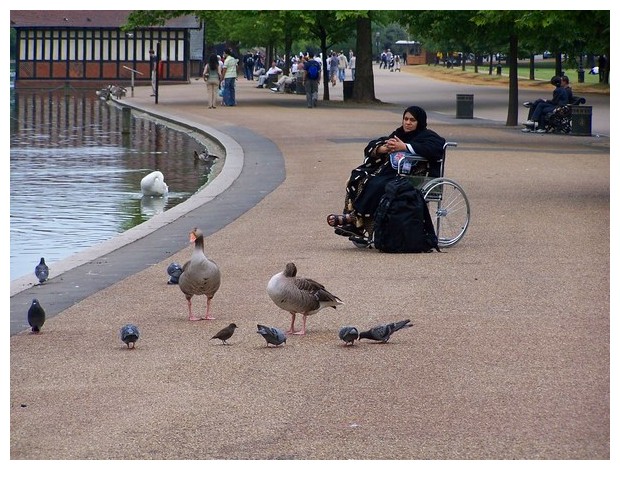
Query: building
point(86, 48)
point(412, 52)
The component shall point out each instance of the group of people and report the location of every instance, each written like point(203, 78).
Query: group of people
point(337, 65)
point(388, 60)
point(220, 74)
point(305, 70)
point(539, 109)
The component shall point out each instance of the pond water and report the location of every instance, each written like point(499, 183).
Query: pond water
point(75, 177)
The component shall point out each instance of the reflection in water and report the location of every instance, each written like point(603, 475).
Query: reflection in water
point(75, 177)
point(150, 205)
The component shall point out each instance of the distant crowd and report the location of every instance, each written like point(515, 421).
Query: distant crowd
point(221, 72)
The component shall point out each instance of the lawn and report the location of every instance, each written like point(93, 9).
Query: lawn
point(543, 73)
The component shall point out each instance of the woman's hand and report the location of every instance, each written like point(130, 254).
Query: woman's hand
point(395, 144)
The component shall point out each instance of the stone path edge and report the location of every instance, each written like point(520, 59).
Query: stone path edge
point(130, 252)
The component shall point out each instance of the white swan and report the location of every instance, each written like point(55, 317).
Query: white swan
point(153, 184)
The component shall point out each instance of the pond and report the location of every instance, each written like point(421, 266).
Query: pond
point(75, 176)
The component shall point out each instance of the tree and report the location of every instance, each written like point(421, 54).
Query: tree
point(507, 22)
point(562, 31)
point(278, 28)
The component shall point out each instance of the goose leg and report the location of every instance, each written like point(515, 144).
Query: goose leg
point(303, 326)
point(292, 329)
point(191, 317)
point(208, 316)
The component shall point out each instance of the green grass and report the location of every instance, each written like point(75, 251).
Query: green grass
point(547, 73)
point(541, 73)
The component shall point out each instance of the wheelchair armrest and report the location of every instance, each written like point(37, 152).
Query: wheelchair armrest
point(407, 162)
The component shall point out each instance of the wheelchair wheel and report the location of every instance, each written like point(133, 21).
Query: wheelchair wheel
point(449, 209)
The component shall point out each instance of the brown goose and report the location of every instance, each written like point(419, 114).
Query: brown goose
point(299, 295)
point(201, 276)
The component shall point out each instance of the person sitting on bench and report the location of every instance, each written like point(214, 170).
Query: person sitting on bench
point(274, 70)
point(541, 107)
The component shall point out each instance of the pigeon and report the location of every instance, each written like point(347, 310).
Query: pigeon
point(36, 316)
point(174, 271)
point(130, 335)
point(299, 295)
point(104, 93)
point(348, 334)
point(225, 333)
point(200, 276)
point(382, 333)
point(273, 335)
point(42, 271)
point(118, 91)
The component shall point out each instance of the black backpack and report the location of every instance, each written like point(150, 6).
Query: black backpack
point(402, 222)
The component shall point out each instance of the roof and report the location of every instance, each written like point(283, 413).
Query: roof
point(407, 42)
point(88, 18)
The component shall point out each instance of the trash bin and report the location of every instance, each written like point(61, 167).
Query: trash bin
point(464, 105)
point(581, 117)
point(347, 89)
point(499, 69)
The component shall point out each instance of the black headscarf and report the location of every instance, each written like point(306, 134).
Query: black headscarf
point(367, 182)
point(424, 141)
point(420, 115)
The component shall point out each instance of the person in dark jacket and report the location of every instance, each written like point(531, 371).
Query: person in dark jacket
point(540, 108)
point(367, 182)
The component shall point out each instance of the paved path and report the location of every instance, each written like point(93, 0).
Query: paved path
point(508, 356)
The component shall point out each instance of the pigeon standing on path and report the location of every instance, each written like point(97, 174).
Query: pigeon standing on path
point(42, 271)
point(130, 335)
point(36, 316)
point(348, 334)
point(299, 295)
point(225, 333)
point(382, 333)
point(273, 335)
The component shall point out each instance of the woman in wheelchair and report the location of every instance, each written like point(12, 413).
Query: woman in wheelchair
point(367, 182)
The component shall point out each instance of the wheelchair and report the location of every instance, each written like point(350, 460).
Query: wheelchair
point(446, 200)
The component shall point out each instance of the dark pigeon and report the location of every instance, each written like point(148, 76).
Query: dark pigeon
point(36, 316)
point(225, 333)
point(348, 334)
point(273, 335)
point(42, 271)
point(382, 333)
point(174, 271)
point(130, 335)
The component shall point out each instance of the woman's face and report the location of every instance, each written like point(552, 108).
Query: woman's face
point(409, 123)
